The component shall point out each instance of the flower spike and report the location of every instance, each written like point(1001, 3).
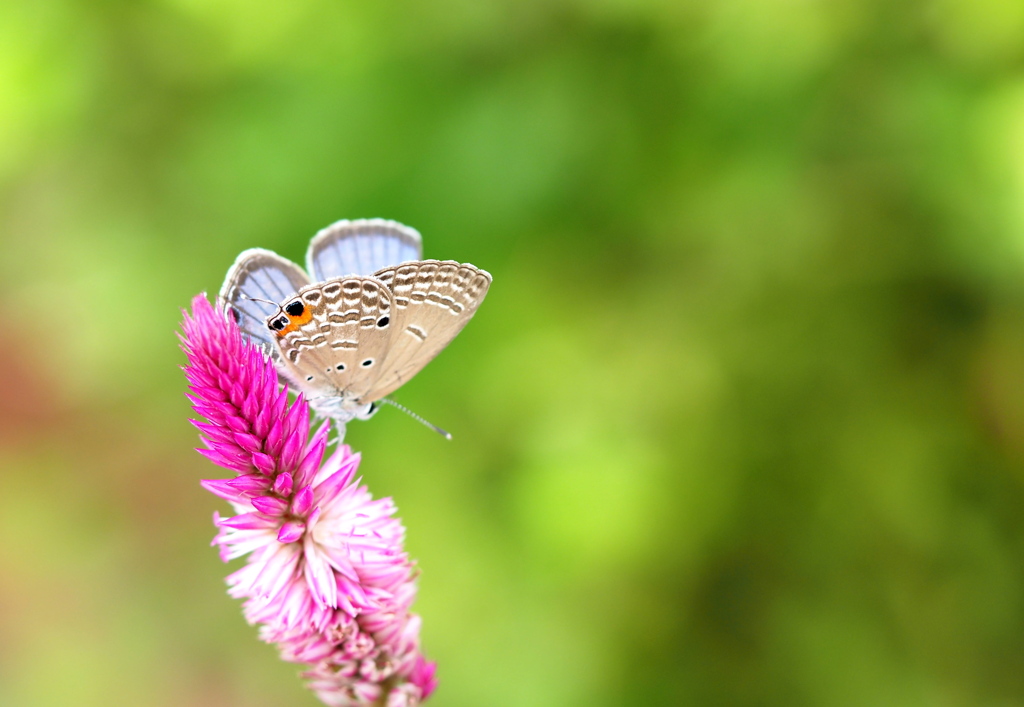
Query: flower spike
point(326, 577)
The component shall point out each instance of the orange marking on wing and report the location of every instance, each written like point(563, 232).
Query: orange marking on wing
point(295, 322)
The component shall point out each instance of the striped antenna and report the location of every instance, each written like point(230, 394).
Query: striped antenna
point(410, 413)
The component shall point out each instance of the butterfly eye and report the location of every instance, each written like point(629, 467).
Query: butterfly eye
point(295, 309)
point(383, 322)
point(367, 363)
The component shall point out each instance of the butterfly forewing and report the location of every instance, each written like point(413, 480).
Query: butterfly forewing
point(361, 248)
point(255, 284)
point(433, 301)
point(336, 336)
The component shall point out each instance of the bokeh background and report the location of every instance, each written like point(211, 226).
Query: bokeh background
point(740, 423)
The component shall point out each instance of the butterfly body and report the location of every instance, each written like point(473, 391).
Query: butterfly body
point(351, 338)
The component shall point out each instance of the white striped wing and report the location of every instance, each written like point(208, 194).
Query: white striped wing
point(361, 248)
point(259, 274)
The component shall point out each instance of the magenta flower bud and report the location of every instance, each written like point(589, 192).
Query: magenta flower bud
point(296, 421)
point(422, 676)
point(334, 591)
point(274, 438)
point(293, 445)
point(249, 443)
point(283, 484)
point(222, 488)
point(270, 505)
point(303, 501)
point(227, 458)
point(291, 531)
point(264, 463)
point(311, 461)
point(217, 433)
point(250, 407)
point(236, 423)
point(244, 521)
point(250, 484)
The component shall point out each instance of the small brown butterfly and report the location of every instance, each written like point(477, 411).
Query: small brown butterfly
point(368, 316)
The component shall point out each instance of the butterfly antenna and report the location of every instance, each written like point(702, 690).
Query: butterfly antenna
point(410, 413)
point(257, 299)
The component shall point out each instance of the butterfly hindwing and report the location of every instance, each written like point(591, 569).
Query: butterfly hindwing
point(433, 301)
point(256, 275)
point(361, 247)
point(336, 336)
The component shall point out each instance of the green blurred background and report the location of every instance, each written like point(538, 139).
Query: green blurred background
point(740, 423)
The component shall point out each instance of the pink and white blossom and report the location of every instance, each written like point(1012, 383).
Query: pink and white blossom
point(326, 577)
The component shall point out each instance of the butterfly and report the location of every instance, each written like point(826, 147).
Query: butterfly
point(366, 315)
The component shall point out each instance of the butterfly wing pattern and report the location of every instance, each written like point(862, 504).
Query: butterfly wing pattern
point(336, 335)
point(434, 300)
point(361, 248)
point(369, 317)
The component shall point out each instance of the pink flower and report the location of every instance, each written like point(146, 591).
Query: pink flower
point(326, 578)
